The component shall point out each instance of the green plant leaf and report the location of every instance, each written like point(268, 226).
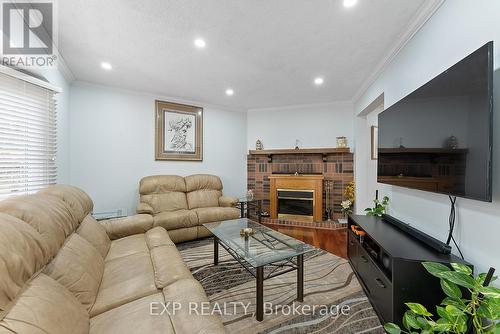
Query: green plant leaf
point(450, 289)
point(457, 278)
point(458, 303)
point(434, 268)
point(410, 320)
point(462, 268)
point(453, 311)
point(442, 325)
point(423, 323)
point(494, 307)
point(392, 328)
point(442, 312)
point(481, 277)
point(490, 291)
point(418, 309)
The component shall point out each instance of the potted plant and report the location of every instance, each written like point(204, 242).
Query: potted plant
point(476, 312)
point(379, 208)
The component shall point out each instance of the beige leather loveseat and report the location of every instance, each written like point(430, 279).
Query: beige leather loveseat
point(63, 272)
point(182, 204)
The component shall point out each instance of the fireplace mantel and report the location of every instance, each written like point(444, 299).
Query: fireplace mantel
point(323, 151)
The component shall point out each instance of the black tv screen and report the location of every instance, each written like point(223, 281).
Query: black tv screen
point(439, 138)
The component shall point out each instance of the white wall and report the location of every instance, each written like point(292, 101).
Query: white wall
point(314, 125)
point(112, 146)
point(458, 28)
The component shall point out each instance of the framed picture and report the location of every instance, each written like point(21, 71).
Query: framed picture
point(179, 132)
point(374, 136)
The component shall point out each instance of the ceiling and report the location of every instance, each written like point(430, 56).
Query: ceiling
point(268, 51)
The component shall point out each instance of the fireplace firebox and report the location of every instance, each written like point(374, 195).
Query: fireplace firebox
point(296, 204)
point(296, 197)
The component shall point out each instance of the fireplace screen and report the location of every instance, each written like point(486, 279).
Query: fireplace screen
point(295, 203)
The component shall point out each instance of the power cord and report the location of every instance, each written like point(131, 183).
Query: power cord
point(451, 222)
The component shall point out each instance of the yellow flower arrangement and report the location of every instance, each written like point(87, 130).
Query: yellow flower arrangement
point(350, 192)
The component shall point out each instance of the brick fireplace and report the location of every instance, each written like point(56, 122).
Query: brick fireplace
point(335, 166)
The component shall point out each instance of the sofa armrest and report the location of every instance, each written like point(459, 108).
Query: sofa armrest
point(122, 227)
point(145, 208)
point(227, 201)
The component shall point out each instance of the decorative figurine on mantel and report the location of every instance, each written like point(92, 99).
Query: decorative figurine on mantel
point(452, 142)
point(297, 144)
point(341, 142)
point(258, 145)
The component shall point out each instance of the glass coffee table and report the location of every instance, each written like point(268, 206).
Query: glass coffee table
point(265, 254)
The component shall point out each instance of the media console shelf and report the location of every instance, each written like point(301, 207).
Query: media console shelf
point(388, 264)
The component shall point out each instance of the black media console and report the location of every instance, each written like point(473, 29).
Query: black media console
point(387, 261)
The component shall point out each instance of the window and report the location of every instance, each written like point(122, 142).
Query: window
point(27, 137)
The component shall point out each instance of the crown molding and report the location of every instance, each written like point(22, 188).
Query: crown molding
point(425, 12)
point(63, 67)
point(303, 106)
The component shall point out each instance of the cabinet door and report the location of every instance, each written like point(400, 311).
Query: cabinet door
point(380, 288)
point(352, 249)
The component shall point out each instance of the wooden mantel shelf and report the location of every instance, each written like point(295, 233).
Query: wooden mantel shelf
point(323, 151)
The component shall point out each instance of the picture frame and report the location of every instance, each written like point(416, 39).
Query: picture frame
point(178, 131)
point(374, 142)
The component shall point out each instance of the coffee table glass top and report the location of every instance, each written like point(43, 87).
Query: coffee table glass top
point(264, 247)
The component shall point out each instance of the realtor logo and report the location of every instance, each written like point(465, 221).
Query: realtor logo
point(28, 34)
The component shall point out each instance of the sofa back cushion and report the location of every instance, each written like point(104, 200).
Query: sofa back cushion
point(23, 252)
point(75, 198)
point(45, 306)
point(79, 267)
point(48, 215)
point(203, 190)
point(92, 231)
point(164, 192)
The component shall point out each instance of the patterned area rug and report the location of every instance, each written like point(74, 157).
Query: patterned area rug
point(330, 287)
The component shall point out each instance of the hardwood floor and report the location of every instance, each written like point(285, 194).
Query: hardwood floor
point(333, 241)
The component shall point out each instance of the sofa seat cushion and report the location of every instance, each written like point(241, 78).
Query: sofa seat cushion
point(93, 232)
point(134, 317)
point(186, 291)
point(79, 267)
point(176, 219)
point(45, 306)
point(127, 246)
point(125, 279)
point(208, 215)
point(183, 234)
point(168, 266)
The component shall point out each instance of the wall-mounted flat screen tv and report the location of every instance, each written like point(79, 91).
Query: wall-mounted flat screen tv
point(439, 138)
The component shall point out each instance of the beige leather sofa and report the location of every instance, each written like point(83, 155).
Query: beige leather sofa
point(182, 204)
point(63, 272)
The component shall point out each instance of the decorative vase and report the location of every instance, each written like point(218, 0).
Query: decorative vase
point(250, 195)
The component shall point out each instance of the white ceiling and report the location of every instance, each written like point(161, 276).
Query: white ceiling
point(268, 51)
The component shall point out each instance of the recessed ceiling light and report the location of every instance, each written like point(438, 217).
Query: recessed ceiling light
point(107, 66)
point(349, 3)
point(229, 92)
point(318, 81)
point(200, 43)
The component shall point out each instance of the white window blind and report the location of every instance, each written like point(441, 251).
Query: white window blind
point(27, 137)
